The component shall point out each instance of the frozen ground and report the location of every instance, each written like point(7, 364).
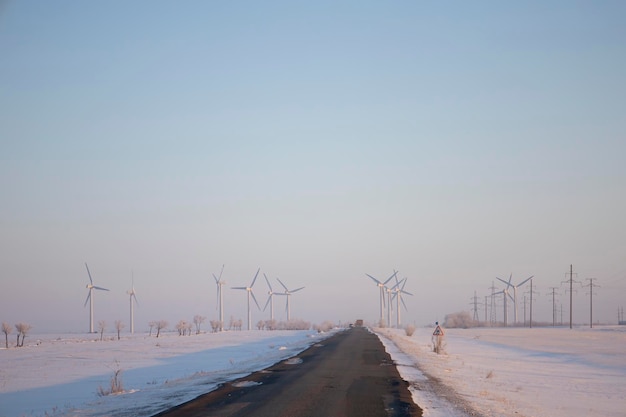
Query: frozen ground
point(503, 372)
point(486, 372)
point(60, 375)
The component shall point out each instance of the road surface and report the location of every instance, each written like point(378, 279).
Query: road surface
point(346, 375)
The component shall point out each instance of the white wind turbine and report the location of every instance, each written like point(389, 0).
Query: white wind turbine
point(132, 295)
point(91, 287)
point(398, 290)
point(508, 284)
point(270, 299)
point(250, 293)
point(288, 294)
point(381, 286)
point(220, 297)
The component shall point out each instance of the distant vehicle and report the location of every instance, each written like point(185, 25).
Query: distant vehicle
point(359, 323)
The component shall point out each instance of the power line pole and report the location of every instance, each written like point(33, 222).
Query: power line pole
point(553, 305)
point(475, 302)
point(531, 291)
point(591, 285)
point(493, 315)
point(571, 283)
point(486, 309)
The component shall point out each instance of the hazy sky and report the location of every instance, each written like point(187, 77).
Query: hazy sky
point(319, 141)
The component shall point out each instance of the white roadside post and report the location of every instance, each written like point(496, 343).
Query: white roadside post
point(438, 339)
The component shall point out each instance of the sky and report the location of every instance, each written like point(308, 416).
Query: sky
point(454, 143)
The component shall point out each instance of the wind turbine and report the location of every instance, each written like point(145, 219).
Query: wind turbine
point(220, 298)
point(270, 299)
point(288, 294)
point(132, 295)
point(250, 293)
point(508, 284)
point(381, 286)
point(398, 291)
point(91, 287)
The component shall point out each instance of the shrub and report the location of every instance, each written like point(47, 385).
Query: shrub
point(409, 330)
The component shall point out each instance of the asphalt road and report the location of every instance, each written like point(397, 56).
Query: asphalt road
point(346, 375)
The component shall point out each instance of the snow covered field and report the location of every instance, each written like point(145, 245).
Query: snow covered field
point(60, 375)
point(495, 372)
point(516, 371)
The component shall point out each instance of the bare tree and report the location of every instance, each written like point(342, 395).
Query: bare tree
point(189, 327)
point(215, 325)
point(22, 330)
point(119, 326)
point(151, 324)
point(181, 326)
point(260, 325)
point(6, 329)
point(160, 325)
point(101, 326)
point(198, 320)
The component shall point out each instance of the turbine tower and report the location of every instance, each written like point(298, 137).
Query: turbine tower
point(288, 294)
point(398, 290)
point(250, 293)
point(132, 295)
point(89, 299)
point(220, 298)
point(515, 287)
point(270, 298)
point(381, 286)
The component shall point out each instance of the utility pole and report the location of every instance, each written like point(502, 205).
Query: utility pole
point(553, 305)
point(571, 283)
point(591, 285)
point(493, 314)
point(531, 304)
point(475, 302)
point(486, 310)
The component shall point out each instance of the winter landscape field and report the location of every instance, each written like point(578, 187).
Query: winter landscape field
point(491, 371)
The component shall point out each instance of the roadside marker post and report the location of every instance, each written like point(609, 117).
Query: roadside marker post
point(438, 339)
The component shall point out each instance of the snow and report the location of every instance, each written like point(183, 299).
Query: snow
point(61, 375)
point(482, 371)
point(514, 371)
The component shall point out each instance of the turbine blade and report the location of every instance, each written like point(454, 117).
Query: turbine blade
point(402, 299)
point(88, 295)
point(389, 279)
point(221, 272)
point(375, 280)
point(216, 280)
point(89, 273)
point(297, 289)
point(135, 297)
point(525, 281)
point(239, 288)
point(100, 288)
point(406, 292)
point(254, 298)
point(507, 283)
point(284, 286)
point(255, 276)
point(268, 282)
point(267, 302)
